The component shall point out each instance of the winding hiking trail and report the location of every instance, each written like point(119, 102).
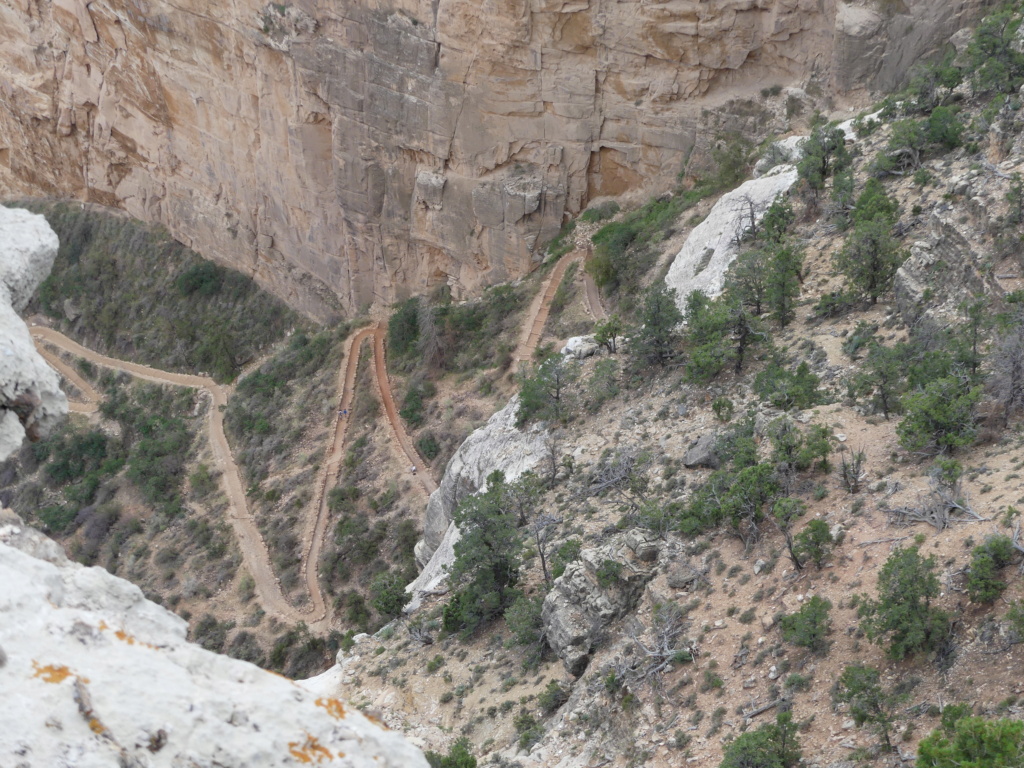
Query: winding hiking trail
point(541, 307)
point(594, 298)
point(250, 541)
point(316, 526)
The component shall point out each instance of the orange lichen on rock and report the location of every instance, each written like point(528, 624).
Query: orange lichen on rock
point(334, 707)
point(309, 752)
point(51, 673)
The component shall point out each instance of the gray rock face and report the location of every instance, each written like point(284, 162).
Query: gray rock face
point(579, 606)
point(702, 453)
point(98, 676)
point(31, 402)
point(940, 276)
point(499, 444)
point(713, 245)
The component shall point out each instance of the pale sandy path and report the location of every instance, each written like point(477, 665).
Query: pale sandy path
point(539, 309)
point(250, 542)
point(397, 428)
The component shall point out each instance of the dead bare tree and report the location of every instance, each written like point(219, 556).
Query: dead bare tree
point(626, 474)
point(946, 502)
point(542, 527)
point(663, 648)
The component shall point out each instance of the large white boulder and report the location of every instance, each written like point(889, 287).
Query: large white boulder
point(498, 445)
point(94, 675)
point(31, 402)
point(713, 244)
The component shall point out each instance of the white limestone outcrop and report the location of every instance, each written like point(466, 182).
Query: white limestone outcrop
point(713, 244)
point(31, 402)
point(92, 674)
point(498, 445)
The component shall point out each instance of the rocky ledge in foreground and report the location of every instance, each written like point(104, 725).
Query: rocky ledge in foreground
point(92, 674)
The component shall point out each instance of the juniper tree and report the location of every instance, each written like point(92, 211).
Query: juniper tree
point(869, 702)
point(903, 614)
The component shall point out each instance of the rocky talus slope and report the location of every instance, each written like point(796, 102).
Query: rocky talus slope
point(93, 674)
point(346, 154)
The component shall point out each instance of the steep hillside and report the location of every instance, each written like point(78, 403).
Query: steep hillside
point(793, 519)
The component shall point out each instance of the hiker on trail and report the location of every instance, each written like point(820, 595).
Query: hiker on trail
point(413, 469)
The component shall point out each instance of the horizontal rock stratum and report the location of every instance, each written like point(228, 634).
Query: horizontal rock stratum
point(94, 675)
point(349, 153)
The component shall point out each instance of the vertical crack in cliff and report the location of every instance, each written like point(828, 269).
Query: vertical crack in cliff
point(462, 108)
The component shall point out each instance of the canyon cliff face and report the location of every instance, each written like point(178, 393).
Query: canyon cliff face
point(352, 153)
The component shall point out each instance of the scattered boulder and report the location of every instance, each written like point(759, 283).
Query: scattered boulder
point(591, 594)
point(703, 453)
point(581, 347)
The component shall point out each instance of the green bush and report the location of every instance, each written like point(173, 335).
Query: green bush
point(566, 553)
point(458, 756)
point(860, 687)
point(487, 558)
point(608, 573)
point(523, 619)
point(774, 745)
point(974, 743)
point(388, 595)
point(552, 697)
point(428, 446)
point(903, 614)
point(814, 543)
point(988, 559)
point(600, 212)
point(809, 627)
point(940, 418)
point(785, 389)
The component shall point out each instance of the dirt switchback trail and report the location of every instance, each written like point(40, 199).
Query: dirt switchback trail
point(92, 397)
point(397, 428)
point(593, 297)
point(316, 525)
point(539, 309)
point(250, 541)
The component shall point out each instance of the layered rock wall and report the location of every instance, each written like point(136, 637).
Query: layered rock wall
point(347, 153)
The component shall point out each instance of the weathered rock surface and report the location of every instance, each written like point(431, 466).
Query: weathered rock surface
point(578, 607)
point(498, 445)
point(357, 152)
point(703, 453)
point(941, 276)
point(31, 401)
point(96, 675)
point(713, 244)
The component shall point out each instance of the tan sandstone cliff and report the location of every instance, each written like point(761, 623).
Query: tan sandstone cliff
point(348, 153)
